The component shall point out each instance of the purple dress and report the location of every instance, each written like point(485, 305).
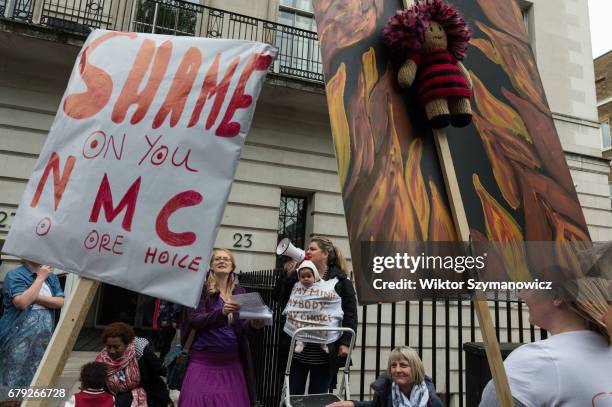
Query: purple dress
point(220, 370)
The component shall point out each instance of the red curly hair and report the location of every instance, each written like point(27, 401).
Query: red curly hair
point(119, 330)
point(404, 32)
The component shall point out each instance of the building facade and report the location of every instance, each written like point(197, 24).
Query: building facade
point(287, 182)
point(603, 87)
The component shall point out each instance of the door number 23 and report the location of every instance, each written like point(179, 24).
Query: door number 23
point(243, 240)
point(5, 218)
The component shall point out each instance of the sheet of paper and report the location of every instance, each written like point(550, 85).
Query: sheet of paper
point(248, 300)
point(253, 307)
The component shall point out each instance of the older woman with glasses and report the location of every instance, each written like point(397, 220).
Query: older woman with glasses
point(220, 370)
point(404, 384)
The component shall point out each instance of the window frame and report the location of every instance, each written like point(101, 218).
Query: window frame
point(300, 241)
point(154, 25)
point(602, 126)
point(300, 54)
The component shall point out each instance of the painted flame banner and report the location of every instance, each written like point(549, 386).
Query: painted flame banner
point(514, 181)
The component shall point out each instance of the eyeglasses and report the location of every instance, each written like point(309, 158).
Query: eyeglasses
point(225, 259)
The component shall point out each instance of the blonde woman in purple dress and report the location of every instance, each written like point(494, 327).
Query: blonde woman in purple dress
point(220, 371)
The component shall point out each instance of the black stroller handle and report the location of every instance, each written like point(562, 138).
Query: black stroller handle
point(343, 389)
point(317, 329)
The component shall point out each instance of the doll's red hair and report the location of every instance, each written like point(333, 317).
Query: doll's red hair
point(404, 32)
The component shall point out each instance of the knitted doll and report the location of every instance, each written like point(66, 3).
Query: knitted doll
point(428, 40)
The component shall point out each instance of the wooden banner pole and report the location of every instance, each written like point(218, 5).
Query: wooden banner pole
point(63, 339)
point(480, 302)
point(496, 364)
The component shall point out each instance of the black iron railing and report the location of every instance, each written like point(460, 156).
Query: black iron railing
point(298, 50)
point(21, 10)
point(267, 354)
point(437, 330)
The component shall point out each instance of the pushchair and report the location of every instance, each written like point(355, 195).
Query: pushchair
point(316, 400)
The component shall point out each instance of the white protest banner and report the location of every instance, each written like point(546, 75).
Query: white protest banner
point(132, 182)
point(317, 305)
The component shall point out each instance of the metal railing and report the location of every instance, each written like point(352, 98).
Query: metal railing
point(21, 10)
point(298, 50)
point(265, 344)
point(437, 330)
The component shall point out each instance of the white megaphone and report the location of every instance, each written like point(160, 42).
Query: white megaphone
point(286, 248)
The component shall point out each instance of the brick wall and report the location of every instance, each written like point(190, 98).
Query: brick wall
point(603, 85)
point(603, 88)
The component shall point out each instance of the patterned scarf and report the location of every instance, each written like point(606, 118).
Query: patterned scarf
point(419, 396)
point(123, 373)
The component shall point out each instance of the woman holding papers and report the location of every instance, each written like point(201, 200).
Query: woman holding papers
point(31, 293)
point(331, 265)
point(220, 371)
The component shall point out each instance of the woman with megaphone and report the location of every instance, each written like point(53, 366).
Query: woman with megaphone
point(322, 366)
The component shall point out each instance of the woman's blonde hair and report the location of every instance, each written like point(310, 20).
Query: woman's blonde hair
point(412, 357)
point(589, 298)
point(211, 282)
point(334, 257)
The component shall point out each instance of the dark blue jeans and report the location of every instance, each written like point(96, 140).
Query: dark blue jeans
point(320, 378)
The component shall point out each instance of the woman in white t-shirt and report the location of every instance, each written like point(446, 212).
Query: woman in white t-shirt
point(573, 367)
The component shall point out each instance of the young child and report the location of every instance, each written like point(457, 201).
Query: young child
point(304, 303)
point(93, 388)
point(308, 275)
